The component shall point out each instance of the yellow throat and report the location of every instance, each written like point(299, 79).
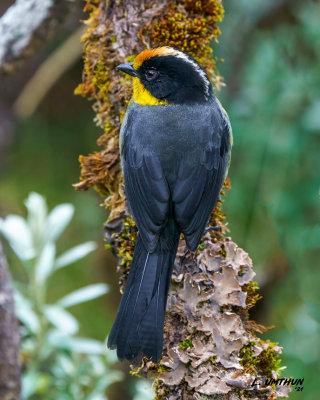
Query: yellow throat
point(143, 97)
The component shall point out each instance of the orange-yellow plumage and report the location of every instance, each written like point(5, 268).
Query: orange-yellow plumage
point(149, 53)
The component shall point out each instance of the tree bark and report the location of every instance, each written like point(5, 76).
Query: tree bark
point(25, 25)
point(9, 338)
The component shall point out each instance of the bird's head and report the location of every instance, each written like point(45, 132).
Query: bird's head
point(165, 76)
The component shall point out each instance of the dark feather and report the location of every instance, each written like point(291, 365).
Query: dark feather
point(139, 323)
point(174, 160)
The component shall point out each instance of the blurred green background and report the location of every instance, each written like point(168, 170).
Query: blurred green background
point(271, 67)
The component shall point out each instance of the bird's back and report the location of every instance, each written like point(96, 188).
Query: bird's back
point(173, 133)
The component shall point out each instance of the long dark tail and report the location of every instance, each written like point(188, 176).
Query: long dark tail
point(138, 327)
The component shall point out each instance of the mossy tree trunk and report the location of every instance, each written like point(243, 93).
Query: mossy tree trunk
point(210, 346)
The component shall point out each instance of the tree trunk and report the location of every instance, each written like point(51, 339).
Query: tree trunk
point(210, 346)
point(9, 338)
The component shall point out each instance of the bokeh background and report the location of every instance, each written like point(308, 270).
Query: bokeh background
point(269, 55)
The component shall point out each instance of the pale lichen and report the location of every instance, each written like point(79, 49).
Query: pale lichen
point(210, 346)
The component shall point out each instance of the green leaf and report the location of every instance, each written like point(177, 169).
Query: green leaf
point(29, 384)
point(44, 266)
point(57, 338)
point(65, 363)
point(85, 346)
point(84, 294)
point(58, 219)
point(37, 218)
point(61, 340)
point(15, 229)
point(61, 319)
point(74, 254)
point(25, 313)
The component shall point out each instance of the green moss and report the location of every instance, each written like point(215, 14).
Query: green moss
point(100, 77)
point(252, 296)
point(264, 364)
point(269, 361)
point(222, 251)
point(131, 57)
point(186, 344)
point(163, 368)
point(136, 373)
point(126, 241)
point(248, 359)
point(162, 392)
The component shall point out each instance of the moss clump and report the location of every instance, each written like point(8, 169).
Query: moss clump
point(186, 344)
point(252, 297)
point(124, 246)
point(163, 368)
point(190, 26)
point(218, 218)
point(101, 83)
point(136, 372)
point(201, 246)
point(263, 364)
point(248, 360)
point(269, 361)
point(162, 392)
point(121, 234)
point(126, 241)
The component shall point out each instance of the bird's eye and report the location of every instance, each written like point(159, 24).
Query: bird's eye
point(151, 74)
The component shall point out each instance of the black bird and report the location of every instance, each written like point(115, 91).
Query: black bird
point(175, 143)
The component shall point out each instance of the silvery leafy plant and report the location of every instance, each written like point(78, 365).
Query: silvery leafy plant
point(56, 362)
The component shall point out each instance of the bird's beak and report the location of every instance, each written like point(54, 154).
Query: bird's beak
point(127, 68)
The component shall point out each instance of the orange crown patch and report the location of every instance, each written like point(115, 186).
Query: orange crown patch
point(149, 53)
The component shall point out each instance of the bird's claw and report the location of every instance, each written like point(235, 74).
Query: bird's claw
point(186, 253)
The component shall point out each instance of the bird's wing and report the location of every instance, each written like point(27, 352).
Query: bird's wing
point(147, 192)
point(197, 188)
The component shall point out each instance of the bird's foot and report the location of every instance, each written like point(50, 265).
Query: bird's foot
point(186, 253)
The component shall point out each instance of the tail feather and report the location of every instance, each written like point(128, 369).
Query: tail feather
point(153, 318)
point(138, 328)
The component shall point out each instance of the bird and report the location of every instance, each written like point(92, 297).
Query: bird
point(175, 147)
